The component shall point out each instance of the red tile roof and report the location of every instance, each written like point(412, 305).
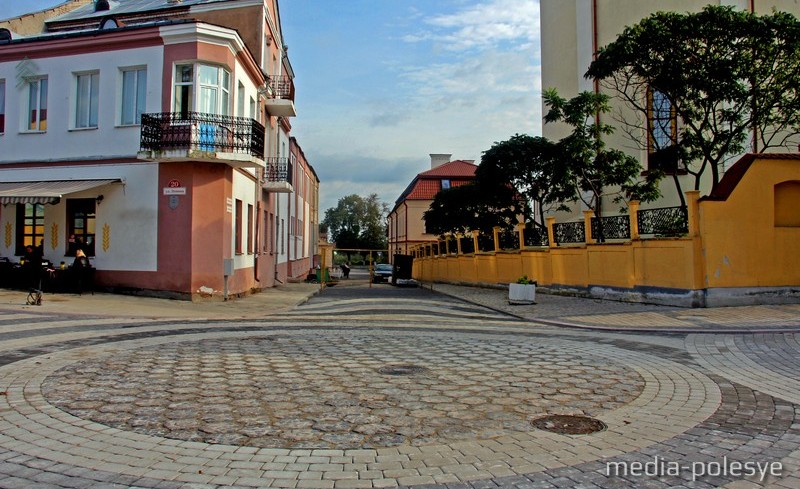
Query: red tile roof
point(427, 184)
point(457, 168)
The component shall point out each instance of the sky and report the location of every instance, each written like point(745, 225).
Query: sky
point(381, 84)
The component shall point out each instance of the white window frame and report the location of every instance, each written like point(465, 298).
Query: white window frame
point(35, 83)
point(181, 83)
point(83, 117)
point(139, 100)
point(223, 104)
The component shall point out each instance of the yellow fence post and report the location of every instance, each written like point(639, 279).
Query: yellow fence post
point(551, 235)
point(693, 201)
point(458, 243)
point(633, 215)
point(475, 241)
point(521, 235)
point(496, 238)
point(587, 226)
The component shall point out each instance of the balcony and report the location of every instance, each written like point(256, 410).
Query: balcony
point(194, 136)
point(278, 176)
point(280, 96)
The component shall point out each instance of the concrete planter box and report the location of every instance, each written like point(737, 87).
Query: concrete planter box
point(521, 294)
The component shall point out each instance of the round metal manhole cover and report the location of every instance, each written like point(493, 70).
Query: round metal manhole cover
point(569, 425)
point(404, 369)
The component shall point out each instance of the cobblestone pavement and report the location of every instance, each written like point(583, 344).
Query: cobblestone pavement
point(384, 387)
point(615, 315)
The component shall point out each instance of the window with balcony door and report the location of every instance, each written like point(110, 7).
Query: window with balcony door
point(183, 93)
point(37, 105)
point(662, 133)
point(86, 100)
point(134, 93)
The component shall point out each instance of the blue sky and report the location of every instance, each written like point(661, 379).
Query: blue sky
point(380, 84)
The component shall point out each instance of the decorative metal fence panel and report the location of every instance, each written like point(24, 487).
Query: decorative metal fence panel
point(611, 227)
point(665, 221)
point(486, 242)
point(509, 239)
point(196, 131)
point(467, 245)
point(536, 236)
point(569, 232)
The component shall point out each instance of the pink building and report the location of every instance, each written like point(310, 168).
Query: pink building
point(156, 134)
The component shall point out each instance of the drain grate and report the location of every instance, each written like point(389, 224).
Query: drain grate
point(402, 369)
point(564, 424)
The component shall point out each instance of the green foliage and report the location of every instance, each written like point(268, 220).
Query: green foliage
point(358, 222)
point(524, 280)
point(470, 208)
point(729, 75)
point(588, 170)
point(530, 166)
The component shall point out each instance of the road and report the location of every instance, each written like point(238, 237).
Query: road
point(380, 387)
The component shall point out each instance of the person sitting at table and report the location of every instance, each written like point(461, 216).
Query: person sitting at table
point(81, 261)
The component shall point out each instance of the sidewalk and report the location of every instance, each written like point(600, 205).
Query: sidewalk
point(580, 312)
point(269, 301)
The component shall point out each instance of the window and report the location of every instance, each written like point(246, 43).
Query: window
point(134, 93)
point(240, 100)
point(37, 104)
point(86, 100)
point(214, 86)
point(184, 82)
point(250, 234)
point(81, 218)
point(253, 114)
point(445, 184)
point(2, 106)
point(30, 226)
point(662, 133)
point(238, 229)
point(787, 200)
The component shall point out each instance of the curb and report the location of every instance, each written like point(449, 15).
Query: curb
point(616, 329)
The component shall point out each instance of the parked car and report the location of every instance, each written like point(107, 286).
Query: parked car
point(382, 273)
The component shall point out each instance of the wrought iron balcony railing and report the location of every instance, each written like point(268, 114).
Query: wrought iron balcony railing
point(196, 131)
point(278, 170)
point(281, 86)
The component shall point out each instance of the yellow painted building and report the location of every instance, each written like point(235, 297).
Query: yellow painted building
point(573, 30)
point(406, 226)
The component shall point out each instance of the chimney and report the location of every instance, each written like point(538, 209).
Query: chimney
point(439, 159)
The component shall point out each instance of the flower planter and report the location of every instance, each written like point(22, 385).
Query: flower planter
point(521, 294)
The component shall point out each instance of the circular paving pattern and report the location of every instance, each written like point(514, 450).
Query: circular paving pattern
point(328, 390)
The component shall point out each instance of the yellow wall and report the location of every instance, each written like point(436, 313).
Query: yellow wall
point(743, 245)
point(749, 240)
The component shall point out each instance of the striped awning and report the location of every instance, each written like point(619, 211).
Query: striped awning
point(46, 192)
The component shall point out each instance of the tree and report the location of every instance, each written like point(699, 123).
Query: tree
point(587, 170)
point(529, 165)
point(358, 222)
point(728, 76)
point(471, 208)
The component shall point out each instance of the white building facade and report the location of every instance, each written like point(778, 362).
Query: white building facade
point(153, 141)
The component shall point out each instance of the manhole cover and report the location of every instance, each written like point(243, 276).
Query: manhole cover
point(569, 425)
point(405, 369)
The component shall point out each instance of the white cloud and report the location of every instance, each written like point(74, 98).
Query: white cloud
point(484, 25)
